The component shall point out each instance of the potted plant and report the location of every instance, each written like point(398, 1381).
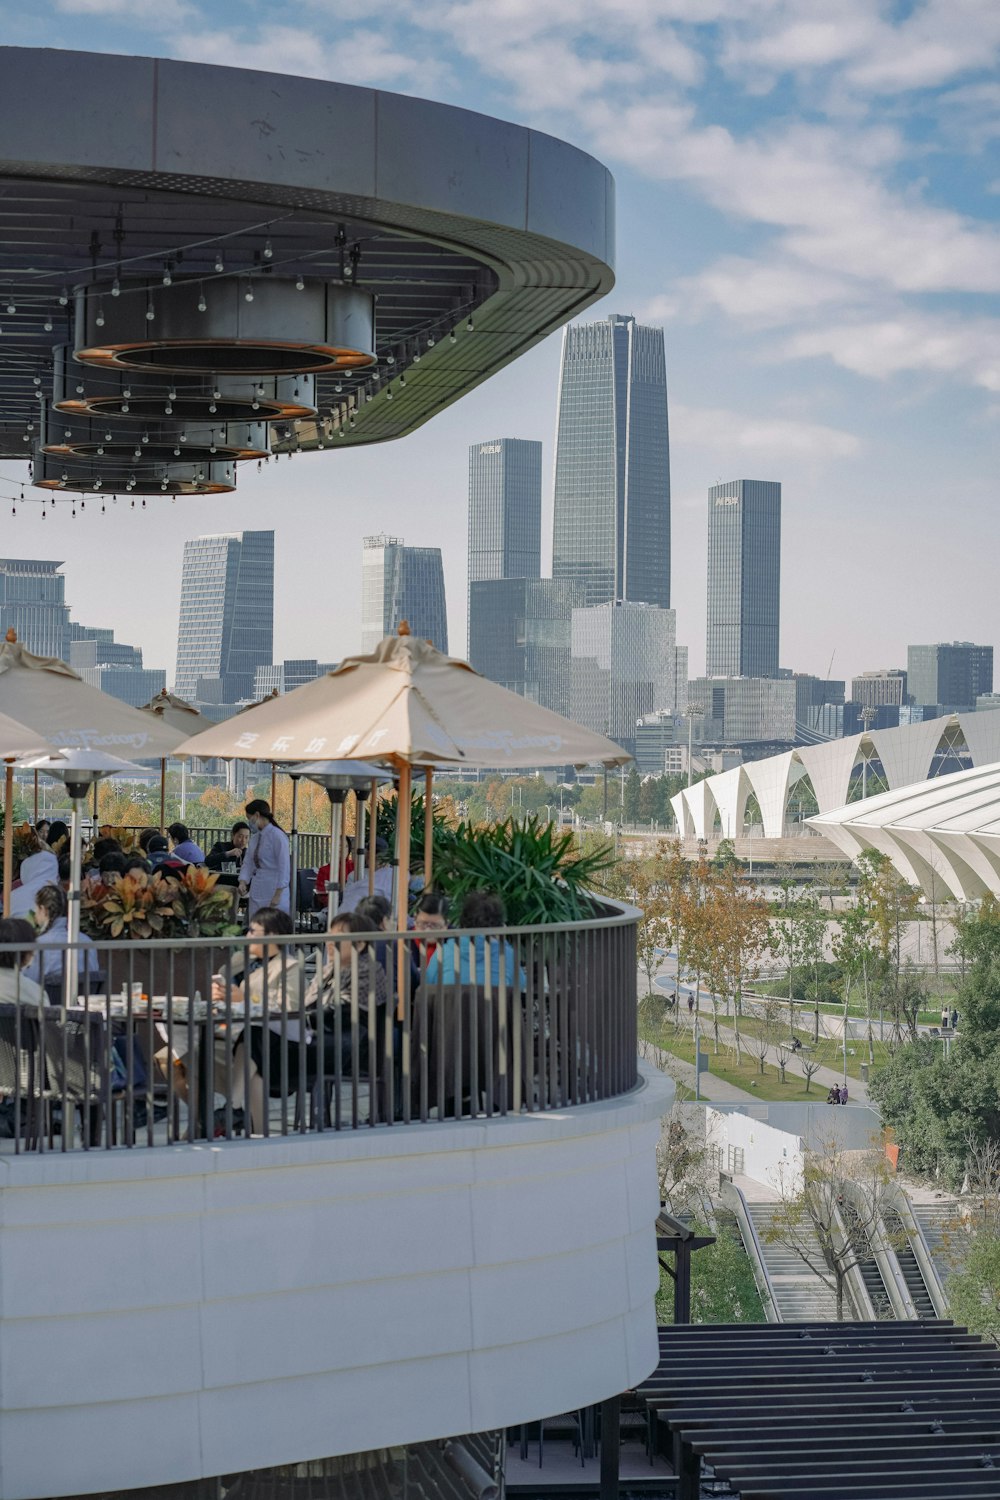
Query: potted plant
point(138, 906)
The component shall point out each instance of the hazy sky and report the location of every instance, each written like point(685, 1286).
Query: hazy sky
point(807, 202)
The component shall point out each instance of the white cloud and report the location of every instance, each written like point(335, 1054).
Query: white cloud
point(361, 55)
point(157, 13)
point(909, 341)
point(775, 439)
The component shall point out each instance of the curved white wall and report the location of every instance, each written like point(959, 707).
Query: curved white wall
point(183, 1312)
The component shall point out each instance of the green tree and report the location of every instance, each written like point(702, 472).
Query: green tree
point(649, 799)
point(630, 796)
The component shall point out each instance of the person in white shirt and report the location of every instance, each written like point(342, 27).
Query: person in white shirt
point(356, 890)
point(266, 869)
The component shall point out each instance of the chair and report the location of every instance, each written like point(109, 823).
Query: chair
point(22, 1068)
point(77, 1064)
point(306, 915)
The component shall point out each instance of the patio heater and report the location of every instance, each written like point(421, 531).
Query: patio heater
point(337, 777)
point(78, 770)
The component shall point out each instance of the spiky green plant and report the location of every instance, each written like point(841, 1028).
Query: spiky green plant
point(539, 872)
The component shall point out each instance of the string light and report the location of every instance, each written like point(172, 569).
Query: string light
point(64, 296)
point(47, 325)
point(220, 265)
point(99, 320)
point(300, 285)
point(470, 325)
point(202, 304)
point(268, 251)
point(116, 289)
point(167, 277)
point(248, 294)
point(11, 308)
point(150, 310)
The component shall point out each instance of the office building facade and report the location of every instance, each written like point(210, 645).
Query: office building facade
point(285, 676)
point(872, 689)
point(623, 665)
point(505, 509)
point(951, 674)
point(402, 583)
point(226, 625)
point(520, 635)
point(745, 710)
point(744, 578)
point(611, 524)
point(33, 603)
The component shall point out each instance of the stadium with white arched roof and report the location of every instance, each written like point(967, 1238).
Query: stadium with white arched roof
point(907, 756)
point(942, 834)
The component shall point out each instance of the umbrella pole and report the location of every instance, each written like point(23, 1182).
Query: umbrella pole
point(428, 828)
point(372, 836)
point(8, 835)
point(332, 891)
point(71, 965)
point(404, 808)
point(36, 800)
point(342, 847)
point(274, 785)
point(361, 830)
point(97, 786)
point(293, 853)
point(163, 796)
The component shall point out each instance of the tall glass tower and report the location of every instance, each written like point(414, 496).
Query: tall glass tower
point(505, 512)
point(402, 583)
point(226, 625)
point(33, 603)
point(744, 578)
point(612, 473)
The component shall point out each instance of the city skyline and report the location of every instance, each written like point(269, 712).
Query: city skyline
point(813, 225)
point(744, 579)
point(226, 617)
point(401, 583)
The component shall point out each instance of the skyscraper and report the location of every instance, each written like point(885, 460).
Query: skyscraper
point(953, 675)
point(402, 583)
point(33, 603)
point(744, 578)
point(226, 625)
point(623, 667)
point(520, 636)
point(612, 468)
point(505, 509)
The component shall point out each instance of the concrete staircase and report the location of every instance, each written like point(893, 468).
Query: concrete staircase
point(800, 1295)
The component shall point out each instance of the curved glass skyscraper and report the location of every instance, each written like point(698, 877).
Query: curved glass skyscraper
point(611, 531)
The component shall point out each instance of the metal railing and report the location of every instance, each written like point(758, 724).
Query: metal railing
point(194, 1039)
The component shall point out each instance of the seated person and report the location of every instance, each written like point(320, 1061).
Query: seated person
point(376, 913)
point(136, 862)
point(463, 960)
point(275, 975)
point(112, 864)
point(58, 837)
point(144, 838)
point(430, 916)
point(184, 845)
point(323, 874)
point(334, 986)
point(41, 868)
point(357, 889)
point(159, 856)
point(42, 830)
point(14, 983)
point(50, 922)
point(230, 851)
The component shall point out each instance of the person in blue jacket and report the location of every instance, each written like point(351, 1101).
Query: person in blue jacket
point(464, 960)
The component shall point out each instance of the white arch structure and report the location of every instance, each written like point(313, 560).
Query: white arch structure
point(942, 834)
point(906, 755)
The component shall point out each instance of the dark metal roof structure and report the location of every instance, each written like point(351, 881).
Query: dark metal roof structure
point(476, 237)
point(830, 1411)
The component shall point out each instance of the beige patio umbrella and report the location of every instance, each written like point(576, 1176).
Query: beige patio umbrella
point(409, 705)
point(51, 699)
point(181, 716)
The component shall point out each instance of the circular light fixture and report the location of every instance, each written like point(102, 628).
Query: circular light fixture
point(115, 440)
point(82, 391)
point(324, 327)
point(178, 477)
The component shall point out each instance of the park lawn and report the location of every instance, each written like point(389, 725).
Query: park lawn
point(830, 1051)
point(745, 1074)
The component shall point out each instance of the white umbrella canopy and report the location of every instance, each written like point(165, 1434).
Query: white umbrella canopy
point(17, 740)
point(172, 710)
point(406, 703)
point(48, 696)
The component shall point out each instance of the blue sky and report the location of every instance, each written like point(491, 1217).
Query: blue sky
point(807, 202)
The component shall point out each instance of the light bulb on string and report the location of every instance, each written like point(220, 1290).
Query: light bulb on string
point(150, 310)
point(202, 304)
point(268, 250)
point(99, 320)
point(36, 380)
point(470, 326)
point(390, 358)
point(431, 341)
point(47, 325)
point(144, 503)
point(64, 297)
point(402, 380)
point(453, 337)
point(11, 308)
point(300, 284)
point(220, 264)
point(167, 277)
point(248, 294)
point(116, 289)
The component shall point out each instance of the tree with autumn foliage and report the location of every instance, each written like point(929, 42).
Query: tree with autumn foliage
point(737, 933)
